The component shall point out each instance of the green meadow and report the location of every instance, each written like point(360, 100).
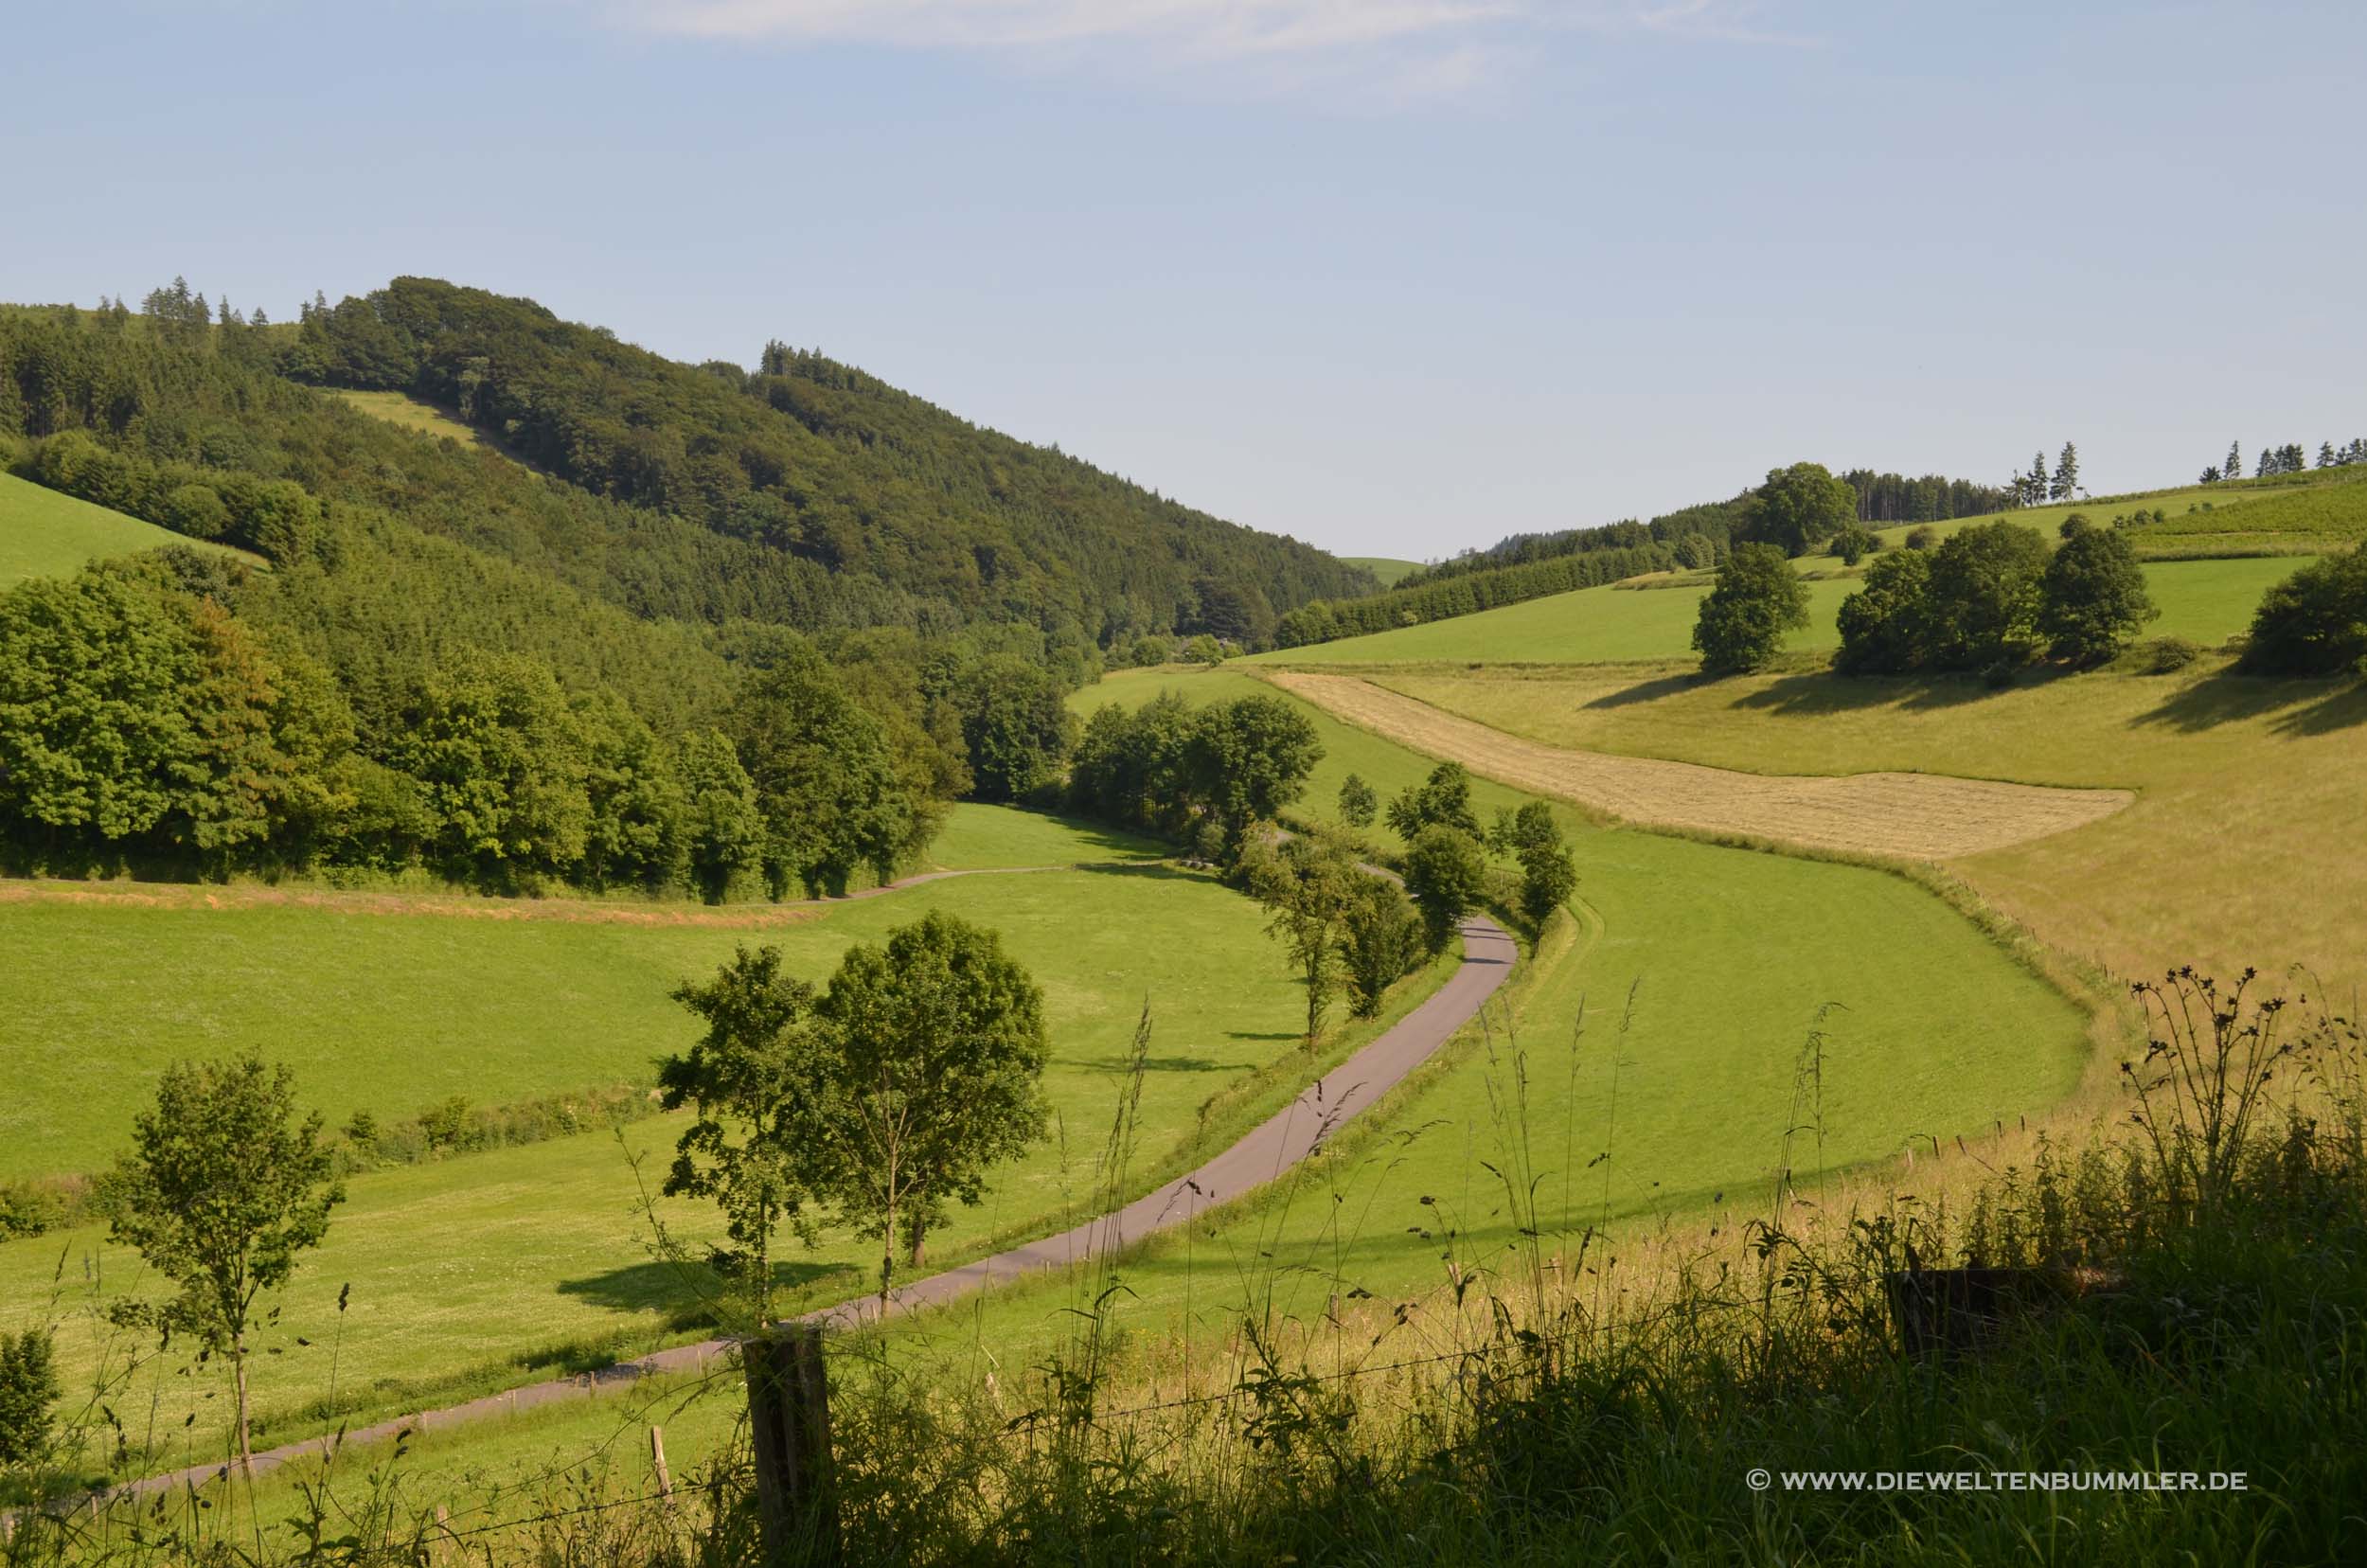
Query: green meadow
point(488, 1269)
point(2203, 601)
point(43, 533)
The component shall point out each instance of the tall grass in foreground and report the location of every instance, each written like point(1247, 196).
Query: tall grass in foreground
point(2181, 1291)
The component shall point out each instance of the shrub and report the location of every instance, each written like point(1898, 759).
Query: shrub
point(1854, 544)
point(1922, 538)
point(2165, 655)
point(1358, 803)
point(2077, 523)
point(1203, 650)
point(41, 1205)
point(1758, 599)
point(28, 1386)
point(2314, 622)
point(1150, 649)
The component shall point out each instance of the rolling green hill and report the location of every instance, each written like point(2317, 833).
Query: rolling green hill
point(46, 534)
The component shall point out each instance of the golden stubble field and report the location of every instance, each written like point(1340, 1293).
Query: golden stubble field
point(2242, 845)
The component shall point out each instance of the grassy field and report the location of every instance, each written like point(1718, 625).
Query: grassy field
point(1384, 567)
point(2216, 761)
point(490, 1269)
point(2204, 602)
point(43, 533)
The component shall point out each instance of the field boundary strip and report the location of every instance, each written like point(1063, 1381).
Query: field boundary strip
point(434, 906)
point(1899, 815)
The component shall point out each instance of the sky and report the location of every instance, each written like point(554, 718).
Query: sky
point(1395, 276)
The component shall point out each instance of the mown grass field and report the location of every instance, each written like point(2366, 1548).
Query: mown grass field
point(491, 1269)
point(2235, 853)
point(2204, 602)
point(43, 533)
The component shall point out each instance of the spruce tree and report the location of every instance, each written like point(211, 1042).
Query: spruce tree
point(2234, 467)
point(2067, 474)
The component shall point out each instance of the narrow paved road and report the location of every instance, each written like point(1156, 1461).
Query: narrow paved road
point(1285, 1139)
point(1281, 1142)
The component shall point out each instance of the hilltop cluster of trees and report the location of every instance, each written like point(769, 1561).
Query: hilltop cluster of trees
point(2289, 458)
point(2037, 487)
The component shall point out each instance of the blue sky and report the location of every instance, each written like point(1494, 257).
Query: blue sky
point(1394, 276)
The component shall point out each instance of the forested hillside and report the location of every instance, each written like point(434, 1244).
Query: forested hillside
point(666, 627)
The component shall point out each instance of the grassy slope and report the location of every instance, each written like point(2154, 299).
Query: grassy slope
point(43, 533)
point(402, 409)
point(1387, 568)
point(2218, 761)
point(2205, 601)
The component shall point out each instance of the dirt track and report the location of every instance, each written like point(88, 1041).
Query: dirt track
point(1904, 815)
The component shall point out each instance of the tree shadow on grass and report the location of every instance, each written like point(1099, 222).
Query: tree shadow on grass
point(1170, 1065)
point(680, 1292)
point(1828, 691)
point(2302, 707)
point(1157, 870)
point(1649, 692)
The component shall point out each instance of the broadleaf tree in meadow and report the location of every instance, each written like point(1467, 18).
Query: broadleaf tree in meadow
point(2092, 597)
point(932, 1075)
point(1443, 799)
point(1304, 884)
point(1381, 939)
point(1755, 600)
point(1246, 760)
point(752, 1083)
point(223, 1187)
point(1446, 872)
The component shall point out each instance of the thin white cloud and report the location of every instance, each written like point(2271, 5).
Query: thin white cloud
point(1415, 47)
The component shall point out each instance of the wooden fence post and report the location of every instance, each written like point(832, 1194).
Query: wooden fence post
point(789, 1410)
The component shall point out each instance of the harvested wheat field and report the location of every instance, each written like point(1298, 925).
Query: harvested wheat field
point(1909, 815)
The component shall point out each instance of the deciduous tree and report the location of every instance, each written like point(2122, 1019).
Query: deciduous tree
point(936, 1053)
point(753, 1082)
point(222, 1187)
point(1758, 599)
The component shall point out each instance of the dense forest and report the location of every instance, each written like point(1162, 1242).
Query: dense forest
point(661, 627)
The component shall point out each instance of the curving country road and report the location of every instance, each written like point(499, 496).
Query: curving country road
point(1282, 1141)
